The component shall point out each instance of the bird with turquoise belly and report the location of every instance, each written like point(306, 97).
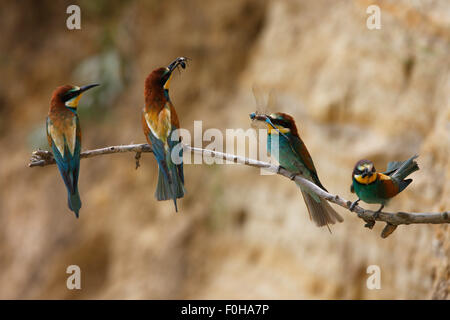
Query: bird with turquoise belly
point(285, 144)
point(375, 187)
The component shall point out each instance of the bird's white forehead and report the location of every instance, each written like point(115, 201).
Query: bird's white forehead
point(361, 167)
point(274, 116)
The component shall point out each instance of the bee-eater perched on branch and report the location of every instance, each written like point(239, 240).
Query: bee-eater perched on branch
point(64, 138)
point(159, 120)
point(294, 157)
point(374, 187)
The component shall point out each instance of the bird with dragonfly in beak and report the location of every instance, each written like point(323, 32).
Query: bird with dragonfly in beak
point(293, 155)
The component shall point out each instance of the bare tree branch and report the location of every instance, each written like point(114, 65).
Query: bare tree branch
point(43, 158)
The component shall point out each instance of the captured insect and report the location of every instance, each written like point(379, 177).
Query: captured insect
point(179, 62)
point(263, 106)
point(183, 63)
point(264, 110)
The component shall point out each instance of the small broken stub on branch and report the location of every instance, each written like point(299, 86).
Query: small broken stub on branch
point(388, 229)
point(138, 158)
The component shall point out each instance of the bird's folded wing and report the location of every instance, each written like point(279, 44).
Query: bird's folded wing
point(299, 148)
point(389, 187)
point(63, 134)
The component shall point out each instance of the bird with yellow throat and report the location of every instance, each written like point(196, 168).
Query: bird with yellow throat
point(374, 187)
point(64, 138)
point(160, 123)
point(285, 144)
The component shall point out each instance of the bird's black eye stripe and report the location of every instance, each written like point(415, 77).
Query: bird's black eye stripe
point(69, 95)
point(165, 77)
point(281, 122)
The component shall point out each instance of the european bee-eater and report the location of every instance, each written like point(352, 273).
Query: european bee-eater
point(294, 157)
point(159, 121)
point(374, 187)
point(64, 138)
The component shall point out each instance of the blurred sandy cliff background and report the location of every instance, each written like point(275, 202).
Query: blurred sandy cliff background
point(355, 93)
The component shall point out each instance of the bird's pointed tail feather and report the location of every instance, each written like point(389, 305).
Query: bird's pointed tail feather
point(405, 169)
point(166, 190)
point(321, 212)
point(74, 202)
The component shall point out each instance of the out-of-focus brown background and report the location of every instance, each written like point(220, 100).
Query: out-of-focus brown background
point(355, 93)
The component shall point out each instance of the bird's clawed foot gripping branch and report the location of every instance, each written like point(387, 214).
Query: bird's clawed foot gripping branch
point(160, 126)
point(41, 158)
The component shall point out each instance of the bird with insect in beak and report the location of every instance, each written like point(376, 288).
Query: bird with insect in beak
point(375, 187)
point(294, 157)
point(64, 138)
point(159, 121)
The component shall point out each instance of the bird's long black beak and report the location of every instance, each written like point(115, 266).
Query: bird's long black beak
point(178, 61)
point(259, 117)
point(265, 118)
point(89, 86)
point(76, 93)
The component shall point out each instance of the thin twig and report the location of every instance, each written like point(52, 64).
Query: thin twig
point(43, 158)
